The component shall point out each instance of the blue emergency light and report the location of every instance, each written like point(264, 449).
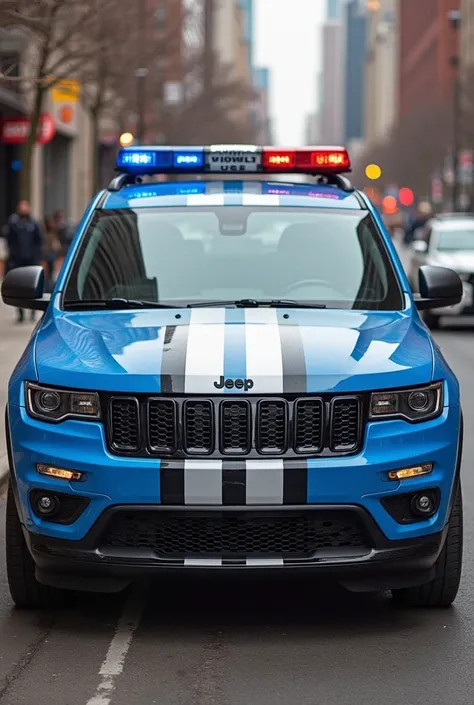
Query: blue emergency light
point(232, 159)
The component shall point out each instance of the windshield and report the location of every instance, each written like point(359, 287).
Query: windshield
point(462, 239)
point(187, 255)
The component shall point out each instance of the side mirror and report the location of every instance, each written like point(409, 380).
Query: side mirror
point(420, 246)
point(24, 288)
point(439, 287)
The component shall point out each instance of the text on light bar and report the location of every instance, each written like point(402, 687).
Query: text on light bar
point(233, 159)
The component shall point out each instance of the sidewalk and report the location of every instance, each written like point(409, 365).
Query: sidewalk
point(13, 340)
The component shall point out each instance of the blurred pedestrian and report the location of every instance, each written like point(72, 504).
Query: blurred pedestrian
point(417, 222)
point(24, 242)
point(63, 231)
point(51, 249)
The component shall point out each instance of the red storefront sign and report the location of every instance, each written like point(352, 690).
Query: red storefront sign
point(16, 130)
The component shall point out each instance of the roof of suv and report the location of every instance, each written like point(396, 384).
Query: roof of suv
point(232, 193)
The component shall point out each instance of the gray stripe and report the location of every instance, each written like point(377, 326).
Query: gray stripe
point(263, 562)
point(203, 562)
point(293, 359)
point(203, 482)
point(173, 361)
point(264, 482)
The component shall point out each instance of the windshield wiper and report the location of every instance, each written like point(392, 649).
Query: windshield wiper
point(115, 303)
point(256, 303)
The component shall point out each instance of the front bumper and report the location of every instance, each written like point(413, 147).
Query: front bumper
point(92, 566)
point(77, 555)
point(111, 481)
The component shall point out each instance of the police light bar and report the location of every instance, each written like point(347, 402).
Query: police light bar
point(232, 159)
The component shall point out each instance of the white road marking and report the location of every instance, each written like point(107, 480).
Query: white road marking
point(114, 661)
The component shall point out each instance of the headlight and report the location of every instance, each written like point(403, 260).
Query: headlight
point(420, 404)
point(57, 405)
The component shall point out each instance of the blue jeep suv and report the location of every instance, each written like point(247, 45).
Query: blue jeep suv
point(231, 374)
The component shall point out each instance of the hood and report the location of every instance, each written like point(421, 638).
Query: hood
point(459, 260)
point(271, 351)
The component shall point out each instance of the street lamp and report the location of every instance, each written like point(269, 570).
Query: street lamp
point(454, 17)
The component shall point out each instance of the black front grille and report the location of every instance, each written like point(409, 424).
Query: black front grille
point(308, 425)
point(345, 425)
point(231, 427)
point(198, 427)
point(236, 535)
point(125, 424)
point(162, 432)
point(272, 427)
point(236, 427)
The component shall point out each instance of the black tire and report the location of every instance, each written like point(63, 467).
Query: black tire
point(25, 590)
point(431, 320)
point(442, 590)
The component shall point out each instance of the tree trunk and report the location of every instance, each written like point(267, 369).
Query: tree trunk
point(28, 146)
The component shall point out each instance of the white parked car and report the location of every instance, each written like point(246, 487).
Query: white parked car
point(446, 241)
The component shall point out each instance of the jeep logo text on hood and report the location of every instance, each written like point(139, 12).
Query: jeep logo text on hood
point(244, 384)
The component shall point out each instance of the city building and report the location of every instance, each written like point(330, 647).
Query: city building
point(381, 71)
point(333, 9)
point(427, 43)
point(12, 106)
point(232, 49)
point(261, 106)
point(355, 43)
point(467, 33)
point(247, 7)
point(313, 129)
point(62, 157)
point(331, 94)
point(228, 36)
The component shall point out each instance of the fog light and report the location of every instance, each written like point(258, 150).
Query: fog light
point(424, 504)
point(46, 504)
point(406, 473)
point(60, 473)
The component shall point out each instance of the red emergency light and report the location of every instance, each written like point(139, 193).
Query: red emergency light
point(307, 160)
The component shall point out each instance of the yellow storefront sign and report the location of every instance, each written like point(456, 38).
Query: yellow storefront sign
point(66, 91)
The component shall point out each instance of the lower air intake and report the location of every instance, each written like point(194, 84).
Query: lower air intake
point(236, 535)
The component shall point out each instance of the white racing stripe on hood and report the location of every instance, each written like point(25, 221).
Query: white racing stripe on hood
point(205, 350)
point(263, 350)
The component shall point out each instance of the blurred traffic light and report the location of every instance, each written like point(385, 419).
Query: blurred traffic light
point(126, 139)
point(406, 197)
point(389, 205)
point(373, 171)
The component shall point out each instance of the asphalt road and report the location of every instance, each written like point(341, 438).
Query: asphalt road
point(235, 643)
